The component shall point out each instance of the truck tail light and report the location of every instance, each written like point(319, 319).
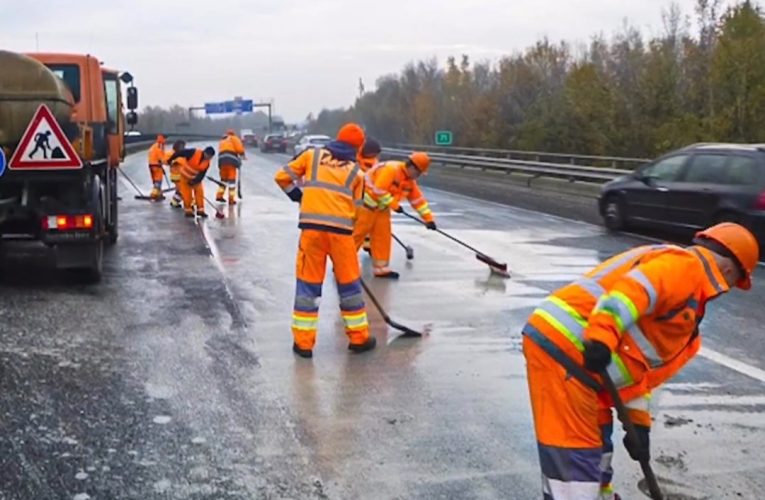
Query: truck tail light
point(67, 222)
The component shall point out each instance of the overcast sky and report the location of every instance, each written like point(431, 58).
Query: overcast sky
point(303, 54)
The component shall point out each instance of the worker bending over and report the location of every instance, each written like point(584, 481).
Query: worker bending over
point(385, 184)
point(369, 156)
point(332, 184)
point(636, 317)
point(157, 172)
point(175, 172)
point(193, 171)
point(230, 155)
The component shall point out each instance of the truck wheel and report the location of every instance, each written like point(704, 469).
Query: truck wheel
point(113, 228)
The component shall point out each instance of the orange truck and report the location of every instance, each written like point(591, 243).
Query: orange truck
point(62, 128)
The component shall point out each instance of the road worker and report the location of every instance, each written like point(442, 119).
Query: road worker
point(156, 158)
point(332, 185)
point(369, 156)
point(230, 155)
point(635, 317)
point(193, 171)
point(385, 185)
point(175, 172)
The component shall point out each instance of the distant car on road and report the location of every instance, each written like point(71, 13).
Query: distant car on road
point(691, 188)
point(308, 141)
point(248, 137)
point(274, 142)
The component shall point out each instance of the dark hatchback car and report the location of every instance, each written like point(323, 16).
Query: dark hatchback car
point(274, 142)
point(691, 188)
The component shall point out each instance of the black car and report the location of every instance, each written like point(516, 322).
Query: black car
point(274, 142)
point(690, 189)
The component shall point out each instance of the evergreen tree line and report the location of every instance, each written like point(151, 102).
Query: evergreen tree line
point(630, 95)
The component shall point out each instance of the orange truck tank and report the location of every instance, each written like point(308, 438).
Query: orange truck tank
point(61, 135)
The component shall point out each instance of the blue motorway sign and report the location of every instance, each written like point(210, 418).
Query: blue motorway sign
point(235, 106)
point(215, 107)
point(3, 163)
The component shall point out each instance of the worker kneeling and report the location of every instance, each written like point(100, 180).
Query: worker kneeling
point(332, 183)
point(193, 172)
point(230, 155)
point(386, 183)
point(634, 317)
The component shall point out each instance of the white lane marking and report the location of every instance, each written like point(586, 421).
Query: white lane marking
point(734, 364)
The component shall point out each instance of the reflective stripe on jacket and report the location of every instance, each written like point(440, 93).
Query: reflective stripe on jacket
point(194, 165)
point(230, 150)
point(331, 188)
point(386, 183)
point(645, 304)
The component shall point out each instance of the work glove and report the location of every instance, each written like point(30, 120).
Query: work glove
point(296, 195)
point(431, 225)
point(399, 210)
point(597, 356)
point(641, 449)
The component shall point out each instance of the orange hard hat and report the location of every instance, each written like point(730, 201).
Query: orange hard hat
point(352, 134)
point(736, 242)
point(420, 160)
point(161, 139)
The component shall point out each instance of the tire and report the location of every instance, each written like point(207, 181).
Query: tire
point(113, 228)
point(614, 214)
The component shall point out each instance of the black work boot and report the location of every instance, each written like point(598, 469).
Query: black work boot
point(303, 353)
point(370, 344)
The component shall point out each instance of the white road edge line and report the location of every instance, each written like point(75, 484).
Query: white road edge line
point(560, 218)
point(734, 364)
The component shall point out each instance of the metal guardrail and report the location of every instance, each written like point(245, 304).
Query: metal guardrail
point(132, 139)
point(572, 173)
point(614, 162)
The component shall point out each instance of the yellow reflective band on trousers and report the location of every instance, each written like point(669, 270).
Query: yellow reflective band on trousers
point(355, 321)
point(307, 323)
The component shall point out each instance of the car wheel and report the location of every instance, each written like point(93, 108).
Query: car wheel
point(614, 216)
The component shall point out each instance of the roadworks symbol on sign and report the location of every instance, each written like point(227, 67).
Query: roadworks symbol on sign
point(44, 145)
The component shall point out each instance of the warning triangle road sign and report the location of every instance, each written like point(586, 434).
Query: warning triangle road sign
point(44, 146)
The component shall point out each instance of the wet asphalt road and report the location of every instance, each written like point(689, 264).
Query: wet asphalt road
point(174, 378)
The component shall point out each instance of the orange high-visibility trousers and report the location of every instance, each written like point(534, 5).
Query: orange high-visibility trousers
point(313, 250)
point(228, 174)
point(189, 194)
point(573, 430)
point(157, 173)
point(377, 225)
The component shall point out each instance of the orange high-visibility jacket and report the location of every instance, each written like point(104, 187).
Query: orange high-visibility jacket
point(386, 183)
point(175, 166)
point(194, 165)
point(156, 155)
point(645, 305)
point(331, 189)
point(230, 150)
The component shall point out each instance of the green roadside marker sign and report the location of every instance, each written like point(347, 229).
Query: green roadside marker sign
point(444, 138)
